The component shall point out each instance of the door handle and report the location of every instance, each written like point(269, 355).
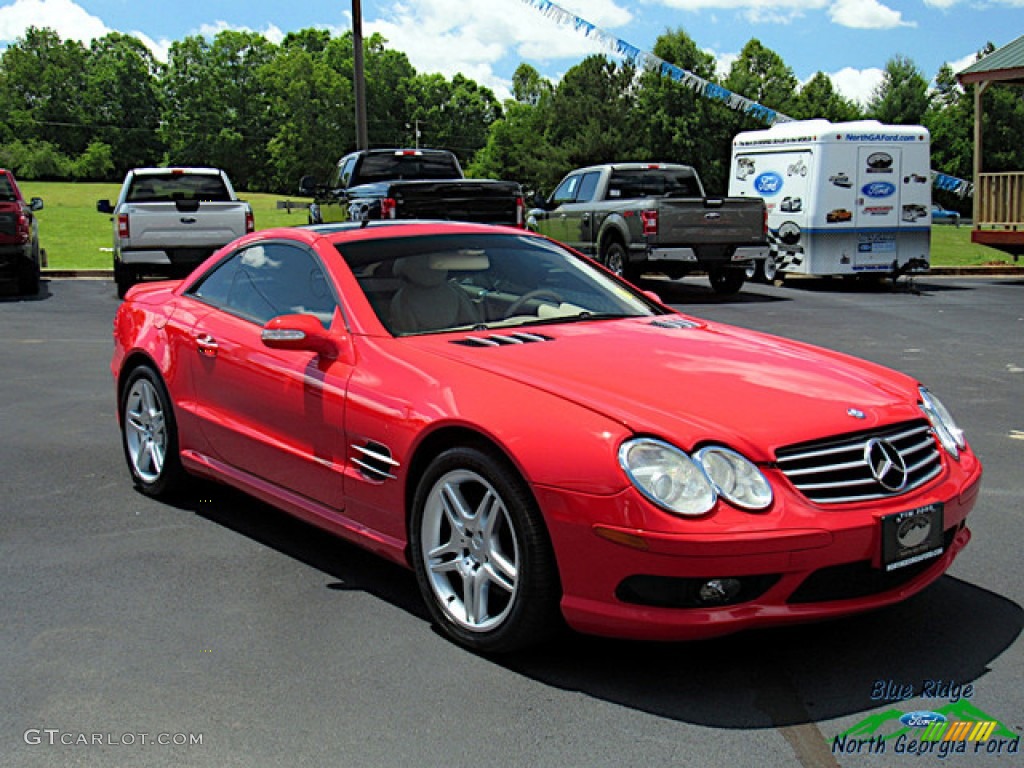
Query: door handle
point(207, 345)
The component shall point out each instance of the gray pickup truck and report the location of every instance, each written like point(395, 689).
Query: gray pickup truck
point(655, 217)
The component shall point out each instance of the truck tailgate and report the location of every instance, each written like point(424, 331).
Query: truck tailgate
point(163, 225)
point(483, 201)
point(715, 221)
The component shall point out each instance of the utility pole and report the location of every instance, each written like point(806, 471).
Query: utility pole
point(359, 75)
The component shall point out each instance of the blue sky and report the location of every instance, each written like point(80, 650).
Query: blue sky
point(850, 40)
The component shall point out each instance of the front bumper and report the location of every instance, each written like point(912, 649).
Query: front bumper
point(796, 562)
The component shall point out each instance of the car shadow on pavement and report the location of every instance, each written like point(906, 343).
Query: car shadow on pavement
point(9, 293)
point(697, 291)
point(772, 678)
point(353, 568)
point(788, 676)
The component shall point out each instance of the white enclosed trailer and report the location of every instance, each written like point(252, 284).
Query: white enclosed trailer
point(842, 198)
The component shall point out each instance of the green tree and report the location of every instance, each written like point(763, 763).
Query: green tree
point(215, 109)
point(123, 100)
point(528, 86)
point(313, 112)
point(902, 96)
point(593, 106)
point(761, 75)
point(678, 124)
point(42, 80)
point(454, 114)
point(819, 98)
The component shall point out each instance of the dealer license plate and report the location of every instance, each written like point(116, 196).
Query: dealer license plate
point(911, 537)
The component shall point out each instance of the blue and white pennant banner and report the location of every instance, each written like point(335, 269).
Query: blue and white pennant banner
point(705, 88)
point(645, 60)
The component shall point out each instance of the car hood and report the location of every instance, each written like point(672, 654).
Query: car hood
point(695, 383)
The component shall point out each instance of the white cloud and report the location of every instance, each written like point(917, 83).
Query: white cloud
point(963, 63)
point(68, 19)
point(271, 31)
point(754, 11)
point(160, 49)
point(866, 14)
point(857, 84)
point(723, 62)
point(472, 36)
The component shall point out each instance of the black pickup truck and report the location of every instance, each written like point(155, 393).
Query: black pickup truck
point(410, 184)
point(655, 217)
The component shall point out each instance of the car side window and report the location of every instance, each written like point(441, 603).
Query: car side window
point(588, 186)
point(566, 192)
point(269, 279)
point(345, 171)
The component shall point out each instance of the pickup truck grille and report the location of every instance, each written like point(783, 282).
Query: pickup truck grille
point(8, 224)
point(839, 470)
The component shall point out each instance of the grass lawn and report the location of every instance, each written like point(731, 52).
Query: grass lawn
point(952, 247)
point(75, 236)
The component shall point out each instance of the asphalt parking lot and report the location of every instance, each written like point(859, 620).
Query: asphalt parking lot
point(220, 632)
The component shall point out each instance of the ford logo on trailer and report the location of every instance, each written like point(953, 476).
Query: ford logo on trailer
point(878, 189)
point(768, 184)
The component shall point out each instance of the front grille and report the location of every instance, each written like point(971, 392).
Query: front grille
point(837, 470)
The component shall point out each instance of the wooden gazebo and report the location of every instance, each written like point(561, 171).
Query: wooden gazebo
point(998, 197)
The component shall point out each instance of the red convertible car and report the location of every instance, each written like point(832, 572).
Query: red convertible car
point(538, 440)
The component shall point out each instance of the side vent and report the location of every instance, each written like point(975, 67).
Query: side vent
point(674, 322)
point(502, 339)
point(374, 461)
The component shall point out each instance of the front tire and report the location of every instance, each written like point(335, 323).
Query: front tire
point(149, 434)
point(481, 553)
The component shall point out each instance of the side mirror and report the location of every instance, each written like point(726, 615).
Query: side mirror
point(539, 201)
point(104, 206)
point(302, 333)
point(35, 204)
point(307, 186)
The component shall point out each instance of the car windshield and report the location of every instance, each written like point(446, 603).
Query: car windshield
point(475, 281)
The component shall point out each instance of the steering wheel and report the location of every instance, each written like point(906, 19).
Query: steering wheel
point(543, 294)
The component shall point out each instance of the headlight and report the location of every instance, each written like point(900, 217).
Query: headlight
point(949, 434)
point(667, 476)
point(735, 478)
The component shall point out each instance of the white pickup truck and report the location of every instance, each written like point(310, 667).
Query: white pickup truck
point(168, 220)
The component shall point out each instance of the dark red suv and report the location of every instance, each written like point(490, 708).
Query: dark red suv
point(20, 256)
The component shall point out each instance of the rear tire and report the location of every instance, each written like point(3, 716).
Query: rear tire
point(616, 259)
point(28, 280)
point(149, 434)
point(124, 278)
point(726, 281)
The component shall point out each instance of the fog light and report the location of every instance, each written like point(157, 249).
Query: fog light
point(718, 591)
